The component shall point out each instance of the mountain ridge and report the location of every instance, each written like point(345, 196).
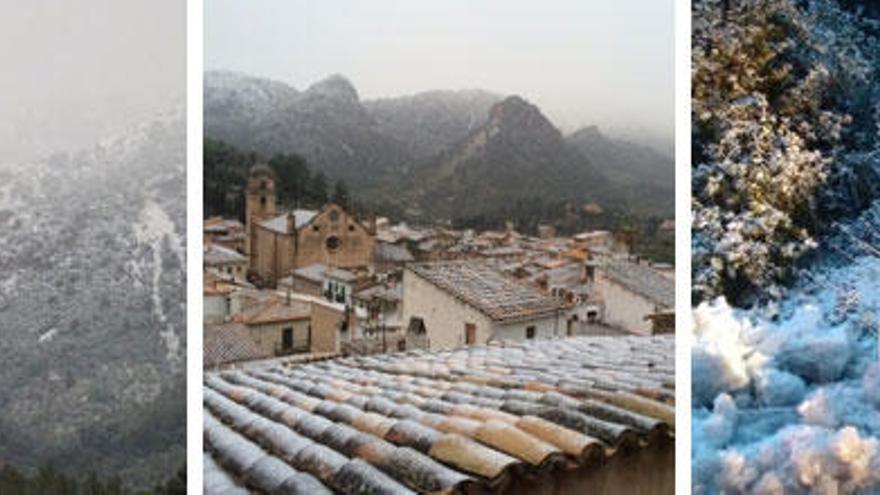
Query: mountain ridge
point(383, 147)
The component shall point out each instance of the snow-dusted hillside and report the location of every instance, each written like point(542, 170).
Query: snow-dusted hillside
point(92, 305)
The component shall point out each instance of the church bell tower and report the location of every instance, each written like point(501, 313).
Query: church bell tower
point(259, 202)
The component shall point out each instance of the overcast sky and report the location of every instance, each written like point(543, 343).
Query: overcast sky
point(72, 71)
point(604, 62)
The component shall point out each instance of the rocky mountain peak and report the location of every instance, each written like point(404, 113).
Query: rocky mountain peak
point(517, 114)
point(336, 87)
point(588, 133)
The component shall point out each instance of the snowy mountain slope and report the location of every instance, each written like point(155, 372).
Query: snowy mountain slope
point(92, 306)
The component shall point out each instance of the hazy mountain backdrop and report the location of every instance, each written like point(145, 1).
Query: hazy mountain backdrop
point(439, 153)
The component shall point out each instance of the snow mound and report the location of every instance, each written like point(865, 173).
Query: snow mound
point(790, 403)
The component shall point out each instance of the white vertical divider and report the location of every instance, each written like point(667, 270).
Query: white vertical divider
point(684, 321)
point(194, 252)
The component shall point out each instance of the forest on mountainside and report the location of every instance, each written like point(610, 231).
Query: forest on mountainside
point(226, 169)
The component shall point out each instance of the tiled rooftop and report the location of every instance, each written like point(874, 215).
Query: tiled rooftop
point(276, 310)
point(488, 290)
point(480, 419)
point(279, 223)
point(220, 255)
point(643, 280)
point(229, 343)
point(313, 272)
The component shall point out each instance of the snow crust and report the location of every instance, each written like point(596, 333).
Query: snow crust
point(788, 401)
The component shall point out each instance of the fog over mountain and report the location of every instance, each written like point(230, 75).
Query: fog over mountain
point(479, 151)
point(93, 238)
point(73, 72)
point(583, 63)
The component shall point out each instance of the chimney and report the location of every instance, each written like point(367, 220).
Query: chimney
point(291, 223)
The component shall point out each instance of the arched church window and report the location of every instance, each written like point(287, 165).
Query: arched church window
point(333, 243)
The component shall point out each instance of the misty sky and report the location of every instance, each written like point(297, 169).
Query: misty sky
point(75, 70)
point(607, 62)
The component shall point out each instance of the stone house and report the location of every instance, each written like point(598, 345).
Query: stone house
point(279, 327)
point(452, 303)
point(631, 292)
point(225, 262)
point(224, 232)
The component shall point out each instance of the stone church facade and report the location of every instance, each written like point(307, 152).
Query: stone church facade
point(280, 242)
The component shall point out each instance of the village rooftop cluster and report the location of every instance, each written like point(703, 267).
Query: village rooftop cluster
point(325, 283)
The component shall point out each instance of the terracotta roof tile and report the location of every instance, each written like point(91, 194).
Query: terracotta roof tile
point(416, 422)
point(486, 289)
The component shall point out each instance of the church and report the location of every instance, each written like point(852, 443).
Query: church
point(280, 242)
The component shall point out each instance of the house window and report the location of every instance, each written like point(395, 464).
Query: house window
point(470, 333)
point(287, 339)
point(416, 326)
point(334, 215)
point(530, 332)
point(263, 201)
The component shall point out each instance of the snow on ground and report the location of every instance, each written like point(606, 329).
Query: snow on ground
point(154, 227)
point(791, 403)
point(47, 336)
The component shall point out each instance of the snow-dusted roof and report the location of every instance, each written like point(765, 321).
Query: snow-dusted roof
point(229, 343)
point(221, 255)
point(312, 273)
point(392, 252)
point(486, 289)
point(469, 420)
point(642, 279)
point(279, 223)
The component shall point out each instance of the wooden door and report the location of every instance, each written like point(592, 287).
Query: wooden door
point(470, 333)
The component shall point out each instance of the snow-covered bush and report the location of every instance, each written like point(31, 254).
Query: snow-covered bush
point(784, 104)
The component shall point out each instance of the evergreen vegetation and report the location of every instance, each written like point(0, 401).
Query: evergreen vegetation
point(226, 169)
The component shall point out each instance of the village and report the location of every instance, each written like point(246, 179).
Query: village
point(354, 355)
point(312, 284)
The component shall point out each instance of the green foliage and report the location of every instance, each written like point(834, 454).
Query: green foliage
point(293, 178)
point(316, 192)
point(341, 195)
point(226, 171)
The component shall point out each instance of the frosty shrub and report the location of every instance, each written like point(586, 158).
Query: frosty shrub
point(783, 93)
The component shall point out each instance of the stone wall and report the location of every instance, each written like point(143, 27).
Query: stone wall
point(325, 328)
point(352, 248)
point(624, 309)
point(268, 336)
point(444, 315)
